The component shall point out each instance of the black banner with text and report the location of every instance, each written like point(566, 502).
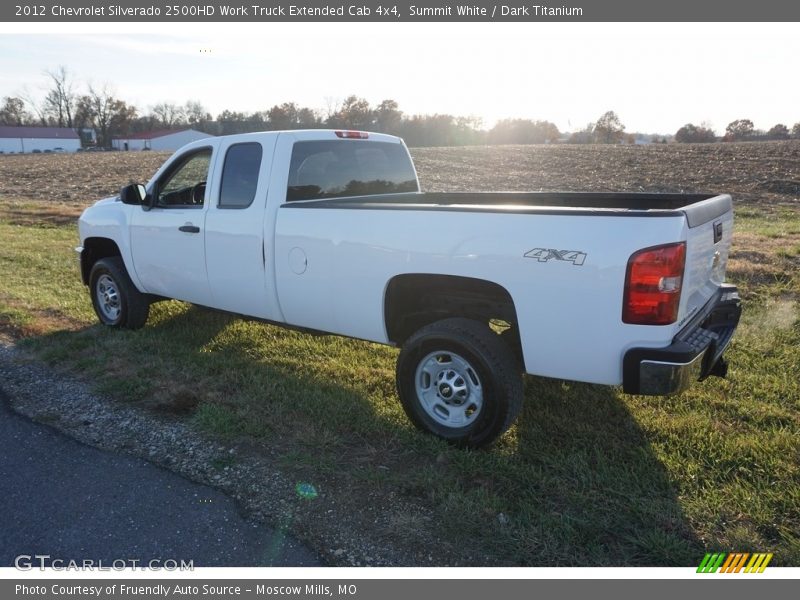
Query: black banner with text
point(388, 589)
point(383, 11)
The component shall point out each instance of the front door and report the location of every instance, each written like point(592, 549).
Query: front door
point(167, 241)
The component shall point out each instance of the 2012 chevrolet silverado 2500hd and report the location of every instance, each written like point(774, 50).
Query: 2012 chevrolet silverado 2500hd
point(328, 231)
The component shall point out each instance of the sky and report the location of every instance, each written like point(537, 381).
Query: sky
point(656, 76)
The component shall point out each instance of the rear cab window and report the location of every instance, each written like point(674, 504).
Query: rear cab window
point(342, 168)
point(240, 175)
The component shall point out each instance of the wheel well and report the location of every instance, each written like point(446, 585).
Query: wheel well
point(93, 250)
point(415, 300)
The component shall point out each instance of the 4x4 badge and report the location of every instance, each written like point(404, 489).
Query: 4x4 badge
point(576, 257)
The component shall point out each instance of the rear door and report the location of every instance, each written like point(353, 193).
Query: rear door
point(236, 253)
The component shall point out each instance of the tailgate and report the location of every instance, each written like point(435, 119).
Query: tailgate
point(708, 242)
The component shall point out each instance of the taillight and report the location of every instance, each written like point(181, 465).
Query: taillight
point(653, 285)
point(354, 135)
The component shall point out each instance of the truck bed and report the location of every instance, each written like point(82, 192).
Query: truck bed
point(697, 208)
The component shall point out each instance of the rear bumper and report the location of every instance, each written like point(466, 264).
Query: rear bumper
point(695, 353)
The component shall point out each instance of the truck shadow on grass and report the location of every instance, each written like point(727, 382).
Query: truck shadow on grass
point(597, 486)
point(575, 482)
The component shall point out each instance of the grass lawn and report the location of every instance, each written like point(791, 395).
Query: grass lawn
point(588, 476)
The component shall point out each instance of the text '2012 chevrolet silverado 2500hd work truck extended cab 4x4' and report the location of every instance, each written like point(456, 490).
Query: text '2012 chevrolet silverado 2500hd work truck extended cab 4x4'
point(328, 231)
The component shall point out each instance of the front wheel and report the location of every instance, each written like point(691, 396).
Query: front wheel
point(116, 300)
point(458, 380)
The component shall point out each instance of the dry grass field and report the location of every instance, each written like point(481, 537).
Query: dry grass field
point(588, 476)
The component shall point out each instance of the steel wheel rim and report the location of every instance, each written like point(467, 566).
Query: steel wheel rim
point(449, 389)
point(108, 299)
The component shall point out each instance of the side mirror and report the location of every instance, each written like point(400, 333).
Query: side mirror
point(134, 193)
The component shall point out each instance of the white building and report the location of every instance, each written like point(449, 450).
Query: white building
point(27, 139)
point(164, 140)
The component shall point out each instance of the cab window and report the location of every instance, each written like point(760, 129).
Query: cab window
point(240, 175)
point(339, 168)
point(185, 185)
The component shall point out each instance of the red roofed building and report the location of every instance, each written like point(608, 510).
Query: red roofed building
point(19, 140)
point(163, 140)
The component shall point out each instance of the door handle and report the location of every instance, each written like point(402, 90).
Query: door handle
point(189, 228)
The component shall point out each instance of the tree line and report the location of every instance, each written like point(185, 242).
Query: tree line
point(740, 130)
point(97, 108)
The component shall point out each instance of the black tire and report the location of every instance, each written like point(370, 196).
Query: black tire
point(115, 299)
point(435, 357)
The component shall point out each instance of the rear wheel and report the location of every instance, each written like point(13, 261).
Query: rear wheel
point(116, 300)
point(458, 380)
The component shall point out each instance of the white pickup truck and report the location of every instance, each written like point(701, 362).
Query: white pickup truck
point(328, 231)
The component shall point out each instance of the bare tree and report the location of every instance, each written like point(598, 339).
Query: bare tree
point(196, 113)
point(38, 108)
point(169, 115)
point(331, 106)
point(61, 98)
point(105, 113)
